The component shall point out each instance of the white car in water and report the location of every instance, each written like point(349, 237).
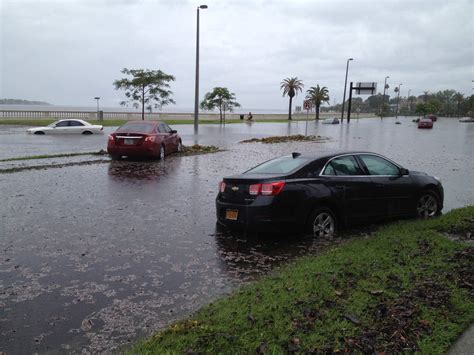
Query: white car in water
point(68, 127)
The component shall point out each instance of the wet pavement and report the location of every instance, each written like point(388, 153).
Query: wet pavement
point(93, 257)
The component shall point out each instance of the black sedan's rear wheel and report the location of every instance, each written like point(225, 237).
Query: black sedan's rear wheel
point(322, 223)
point(427, 205)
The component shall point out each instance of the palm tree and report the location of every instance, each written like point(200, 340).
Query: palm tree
point(317, 95)
point(290, 87)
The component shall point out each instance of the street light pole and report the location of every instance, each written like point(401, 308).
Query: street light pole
point(345, 85)
point(97, 98)
point(196, 90)
point(383, 98)
point(398, 100)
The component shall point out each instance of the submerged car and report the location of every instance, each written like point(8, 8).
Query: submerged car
point(152, 139)
point(425, 123)
point(324, 192)
point(69, 126)
point(335, 120)
point(433, 118)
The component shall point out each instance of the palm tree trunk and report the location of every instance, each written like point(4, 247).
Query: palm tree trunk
point(143, 102)
point(289, 109)
point(317, 112)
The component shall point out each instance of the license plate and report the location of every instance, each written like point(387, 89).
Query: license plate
point(231, 214)
point(128, 141)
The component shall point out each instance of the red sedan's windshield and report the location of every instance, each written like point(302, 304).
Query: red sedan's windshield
point(137, 127)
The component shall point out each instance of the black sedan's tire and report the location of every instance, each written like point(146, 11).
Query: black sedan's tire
point(427, 205)
point(322, 223)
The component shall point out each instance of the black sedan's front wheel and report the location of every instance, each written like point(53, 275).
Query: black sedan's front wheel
point(427, 205)
point(322, 223)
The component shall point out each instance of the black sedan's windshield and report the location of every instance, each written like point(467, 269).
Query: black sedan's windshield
point(282, 165)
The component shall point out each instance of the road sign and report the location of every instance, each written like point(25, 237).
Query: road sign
point(307, 104)
point(365, 88)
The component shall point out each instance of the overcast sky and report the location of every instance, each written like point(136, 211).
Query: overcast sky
point(67, 51)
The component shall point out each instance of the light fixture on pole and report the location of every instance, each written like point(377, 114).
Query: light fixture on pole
point(97, 98)
point(345, 85)
point(384, 90)
point(196, 91)
point(398, 100)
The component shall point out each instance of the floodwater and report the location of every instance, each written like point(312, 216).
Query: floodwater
point(94, 257)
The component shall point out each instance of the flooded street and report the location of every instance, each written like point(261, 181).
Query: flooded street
point(94, 257)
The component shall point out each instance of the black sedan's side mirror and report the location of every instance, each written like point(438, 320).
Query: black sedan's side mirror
point(173, 131)
point(404, 171)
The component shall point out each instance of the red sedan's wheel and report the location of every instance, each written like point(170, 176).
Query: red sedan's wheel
point(162, 152)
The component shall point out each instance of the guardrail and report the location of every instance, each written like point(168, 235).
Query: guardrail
point(73, 114)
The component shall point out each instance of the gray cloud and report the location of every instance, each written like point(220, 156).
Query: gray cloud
point(67, 52)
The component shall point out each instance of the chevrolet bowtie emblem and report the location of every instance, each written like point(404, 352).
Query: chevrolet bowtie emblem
point(235, 188)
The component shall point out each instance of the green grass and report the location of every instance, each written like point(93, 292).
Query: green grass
point(48, 156)
point(401, 290)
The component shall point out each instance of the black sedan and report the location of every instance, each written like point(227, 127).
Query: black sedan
point(321, 193)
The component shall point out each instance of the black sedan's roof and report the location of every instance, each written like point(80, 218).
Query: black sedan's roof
point(332, 154)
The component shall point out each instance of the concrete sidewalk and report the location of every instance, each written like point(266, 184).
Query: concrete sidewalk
point(465, 344)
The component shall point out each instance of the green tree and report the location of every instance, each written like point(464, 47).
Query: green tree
point(219, 98)
point(427, 107)
point(459, 99)
point(374, 103)
point(290, 87)
point(422, 108)
point(446, 99)
point(470, 103)
point(317, 95)
point(148, 88)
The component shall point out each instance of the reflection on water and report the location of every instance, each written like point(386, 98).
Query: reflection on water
point(99, 255)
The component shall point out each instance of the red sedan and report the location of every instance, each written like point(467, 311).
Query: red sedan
point(143, 139)
point(425, 123)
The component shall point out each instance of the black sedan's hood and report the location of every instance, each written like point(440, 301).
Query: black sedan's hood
point(414, 172)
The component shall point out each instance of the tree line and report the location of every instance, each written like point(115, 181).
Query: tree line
point(150, 89)
point(447, 103)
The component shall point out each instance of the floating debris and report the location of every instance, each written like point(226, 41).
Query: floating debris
point(283, 139)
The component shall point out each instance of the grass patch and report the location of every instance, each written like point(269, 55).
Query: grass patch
point(48, 156)
point(405, 289)
point(197, 149)
point(284, 139)
point(52, 166)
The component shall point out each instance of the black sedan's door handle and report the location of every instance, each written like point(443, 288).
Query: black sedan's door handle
point(339, 187)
